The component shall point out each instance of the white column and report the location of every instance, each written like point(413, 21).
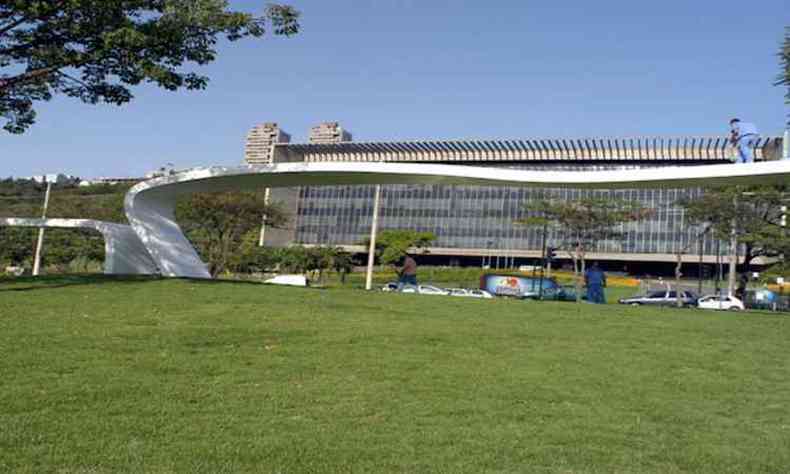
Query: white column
point(40, 242)
point(733, 250)
point(372, 247)
point(263, 218)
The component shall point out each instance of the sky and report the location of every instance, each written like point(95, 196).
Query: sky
point(440, 69)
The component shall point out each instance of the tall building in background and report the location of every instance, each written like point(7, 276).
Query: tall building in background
point(329, 132)
point(260, 150)
point(260, 143)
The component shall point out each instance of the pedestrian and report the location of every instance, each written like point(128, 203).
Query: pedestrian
point(407, 275)
point(595, 279)
point(743, 136)
point(740, 290)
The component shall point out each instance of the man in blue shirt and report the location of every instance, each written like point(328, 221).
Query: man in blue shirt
point(595, 279)
point(744, 136)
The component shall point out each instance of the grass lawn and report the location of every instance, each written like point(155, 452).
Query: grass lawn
point(143, 375)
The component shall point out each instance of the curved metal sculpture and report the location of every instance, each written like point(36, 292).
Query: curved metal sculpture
point(124, 253)
point(150, 205)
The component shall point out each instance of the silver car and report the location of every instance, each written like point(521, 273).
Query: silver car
point(662, 298)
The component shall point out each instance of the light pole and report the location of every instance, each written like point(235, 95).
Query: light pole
point(373, 230)
point(699, 269)
point(40, 241)
point(733, 249)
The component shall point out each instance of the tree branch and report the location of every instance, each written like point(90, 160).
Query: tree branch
point(26, 19)
point(8, 83)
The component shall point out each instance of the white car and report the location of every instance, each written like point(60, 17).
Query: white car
point(725, 303)
point(391, 286)
point(424, 290)
point(468, 293)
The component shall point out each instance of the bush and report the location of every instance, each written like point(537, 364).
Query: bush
point(84, 265)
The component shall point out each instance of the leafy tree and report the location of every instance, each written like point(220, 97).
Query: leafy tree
point(292, 259)
point(250, 257)
point(94, 50)
point(756, 213)
point(217, 223)
point(698, 231)
point(314, 260)
point(393, 245)
point(582, 224)
point(784, 60)
point(343, 264)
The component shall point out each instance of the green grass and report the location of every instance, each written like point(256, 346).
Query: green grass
point(113, 375)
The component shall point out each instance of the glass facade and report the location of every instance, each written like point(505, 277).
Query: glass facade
point(482, 218)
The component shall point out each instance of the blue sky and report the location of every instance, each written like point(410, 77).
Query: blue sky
point(424, 69)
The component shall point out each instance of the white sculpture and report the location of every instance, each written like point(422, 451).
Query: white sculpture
point(124, 254)
point(155, 243)
point(150, 205)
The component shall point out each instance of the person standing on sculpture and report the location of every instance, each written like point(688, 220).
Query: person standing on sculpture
point(595, 279)
point(743, 136)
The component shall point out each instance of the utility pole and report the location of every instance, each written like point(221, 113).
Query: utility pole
point(372, 247)
point(40, 242)
point(542, 261)
point(718, 266)
point(733, 250)
point(699, 269)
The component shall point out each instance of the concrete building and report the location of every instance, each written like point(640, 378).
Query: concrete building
point(260, 142)
point(55, 178)
point(329, 132)
point(475, 224)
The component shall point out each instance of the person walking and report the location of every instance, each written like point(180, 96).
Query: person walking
point(595, 279)
point(407, 275)
point(743, 136)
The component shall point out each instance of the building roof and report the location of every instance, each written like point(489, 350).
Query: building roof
point(554, 149)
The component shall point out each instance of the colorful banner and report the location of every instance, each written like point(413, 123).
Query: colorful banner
point(516, 286)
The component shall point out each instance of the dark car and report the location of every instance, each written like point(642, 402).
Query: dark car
point(662, 298)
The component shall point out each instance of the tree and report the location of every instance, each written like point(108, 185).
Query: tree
point(342, 264)
point(217, 223)
point(393, 245)
point(683, 245)
point(94, 50)
point(756, 212)
point(582, 224)
point(293, 259)
point(784, 60)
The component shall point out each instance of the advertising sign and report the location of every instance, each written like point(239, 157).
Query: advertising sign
point(515, 286)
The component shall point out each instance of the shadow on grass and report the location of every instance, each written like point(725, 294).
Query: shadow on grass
point(220, 281)
point(30, 283)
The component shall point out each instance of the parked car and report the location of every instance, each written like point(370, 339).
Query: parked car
point(468, 293)
point(424, 290)
point(560, 293)
point(721, 302)
point(662, 298)
point(391, 286)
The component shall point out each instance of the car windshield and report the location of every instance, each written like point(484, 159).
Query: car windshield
point(656, 294)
